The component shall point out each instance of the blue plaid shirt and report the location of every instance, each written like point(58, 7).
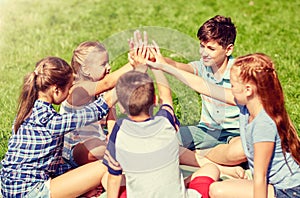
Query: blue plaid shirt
point(34, 152)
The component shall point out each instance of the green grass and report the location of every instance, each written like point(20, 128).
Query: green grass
point(33, 29)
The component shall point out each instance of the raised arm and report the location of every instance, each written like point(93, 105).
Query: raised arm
point(164, 91)
point(195, 82)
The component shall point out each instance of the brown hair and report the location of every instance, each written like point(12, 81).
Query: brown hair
point(49, 71)
point(219, 29)
point(135, 92)
point(83, 54)
point(259, 69)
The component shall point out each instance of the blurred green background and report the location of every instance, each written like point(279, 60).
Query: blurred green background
point(33, 29)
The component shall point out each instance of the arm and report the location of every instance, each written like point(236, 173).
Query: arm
point(262, 155)
point(113, 185)
point(195, 82)
point(183, 66)
point(82, 91)
point(111, 120)
point(164, 91)
point(110, 80)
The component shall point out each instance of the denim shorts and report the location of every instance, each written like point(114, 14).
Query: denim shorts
point(194, 137)
point(71, 161)
point(289, 192)
point(40, 190)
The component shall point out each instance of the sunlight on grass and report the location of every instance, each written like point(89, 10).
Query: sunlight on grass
point(33, 29)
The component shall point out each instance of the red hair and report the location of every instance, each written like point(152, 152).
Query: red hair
point(259, 69)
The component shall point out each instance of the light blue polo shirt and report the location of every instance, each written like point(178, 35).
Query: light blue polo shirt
point(216, 114)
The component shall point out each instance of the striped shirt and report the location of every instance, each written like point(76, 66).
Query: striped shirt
point(148, 153)
point(34, 152)
point(216, 114)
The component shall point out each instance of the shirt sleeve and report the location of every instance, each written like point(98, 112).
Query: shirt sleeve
point(109, 160)
point(62, 123)
point(168, 112)
point(264, 132)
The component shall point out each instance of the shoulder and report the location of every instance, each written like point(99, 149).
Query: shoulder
point(264, 128)
point(167, 111)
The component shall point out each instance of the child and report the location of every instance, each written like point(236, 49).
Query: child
point(269, 138)
point(146, 148)
point(89, 63)
point(218, 129)
point(33, 159)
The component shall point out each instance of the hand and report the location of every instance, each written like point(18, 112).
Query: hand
point(138, 42)
point(157, 57)
point(138, 58)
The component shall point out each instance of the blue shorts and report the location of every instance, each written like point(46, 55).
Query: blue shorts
point(195, 137)
point(40, 190)
point(71, 162)
point(289, 192)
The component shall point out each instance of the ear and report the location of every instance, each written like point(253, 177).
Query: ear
point(229, 49)
point(249, 91)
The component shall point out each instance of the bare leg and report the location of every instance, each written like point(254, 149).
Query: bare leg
point(209, 170)
point(235, 188)
point(191, 158)
point(89, 151)
point(78, 181)
point(228, 154)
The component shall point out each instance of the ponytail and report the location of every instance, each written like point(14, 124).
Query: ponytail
point(49, 71)
point(29, 95)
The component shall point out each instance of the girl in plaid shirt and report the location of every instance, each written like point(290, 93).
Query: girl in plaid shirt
point(33, 164)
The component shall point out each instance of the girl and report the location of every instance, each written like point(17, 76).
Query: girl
point(269, 138)
point(33, 159)
point(87, 144)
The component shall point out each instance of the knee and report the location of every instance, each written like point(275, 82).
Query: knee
point(215, 190)
point(235, 153)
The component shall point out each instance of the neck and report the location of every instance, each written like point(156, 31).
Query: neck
point(254, 107)
point(219, 70)
point(44, 97)
point(139, 118)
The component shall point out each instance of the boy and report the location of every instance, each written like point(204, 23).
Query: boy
point(146, 148)
point(218, 129)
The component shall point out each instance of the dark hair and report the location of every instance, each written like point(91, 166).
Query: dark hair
point(259, 69)
point(135, 92)
point(49, 71)
point(219, 29)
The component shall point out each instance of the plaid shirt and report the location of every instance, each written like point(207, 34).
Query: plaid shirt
point(34, 152)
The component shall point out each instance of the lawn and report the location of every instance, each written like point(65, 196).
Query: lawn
point(33, 29)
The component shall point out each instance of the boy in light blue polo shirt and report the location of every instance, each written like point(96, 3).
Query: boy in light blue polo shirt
point(218, 129)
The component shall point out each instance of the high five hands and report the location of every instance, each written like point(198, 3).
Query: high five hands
point(142, 55)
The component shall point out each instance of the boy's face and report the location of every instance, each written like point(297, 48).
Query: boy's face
point(214, 54)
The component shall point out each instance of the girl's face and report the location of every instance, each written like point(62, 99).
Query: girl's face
point(99, 66)
point(237, 87)
point(213, 54)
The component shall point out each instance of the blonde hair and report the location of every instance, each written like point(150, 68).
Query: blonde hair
point(259, 69)
point(82, 55)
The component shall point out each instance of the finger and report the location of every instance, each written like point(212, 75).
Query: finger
point(147, 54)
point(135, 38)
point(130, 59)
point(131, 43)
point(138, 38)
point(156, 47)
point(144, 50)
point(145, 38)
